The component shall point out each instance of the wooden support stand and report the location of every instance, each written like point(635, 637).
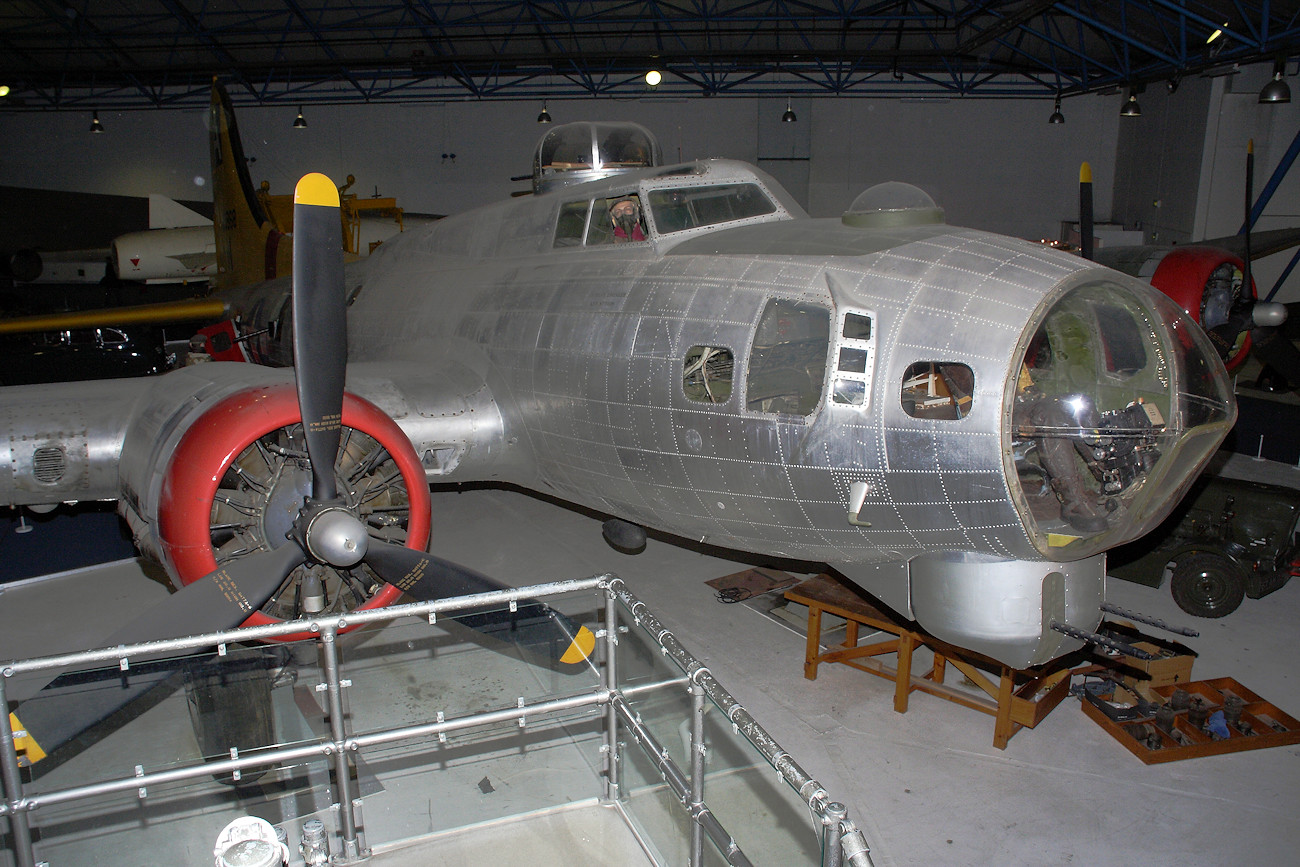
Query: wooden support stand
point(1016, 698)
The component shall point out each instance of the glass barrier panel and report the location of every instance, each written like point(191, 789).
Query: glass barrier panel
point(760, 811)
point(160, 716)
point(462, 726)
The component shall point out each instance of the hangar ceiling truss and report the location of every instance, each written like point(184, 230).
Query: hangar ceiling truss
point(68, 54)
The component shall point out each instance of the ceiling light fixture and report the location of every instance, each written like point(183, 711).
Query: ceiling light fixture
point(653, 77)
point(1276, 91)
point(788, 117)
point(300, 122)
point(1131, 107)
point(544, 116)
point(95, 125)
point(1057, 117)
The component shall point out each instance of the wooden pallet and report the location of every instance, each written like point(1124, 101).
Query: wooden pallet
point(1269, 726)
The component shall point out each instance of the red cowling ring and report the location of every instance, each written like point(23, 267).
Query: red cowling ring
point(1182, 275)
point(218, 437)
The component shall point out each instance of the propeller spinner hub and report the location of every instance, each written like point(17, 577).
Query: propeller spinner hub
point(337, 537)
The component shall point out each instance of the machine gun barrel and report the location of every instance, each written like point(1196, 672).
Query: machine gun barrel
point(1148, 620)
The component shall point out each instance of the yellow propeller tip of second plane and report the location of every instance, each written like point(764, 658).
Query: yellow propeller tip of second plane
point(1085, 174)
point(580, 648)
point(316, 189)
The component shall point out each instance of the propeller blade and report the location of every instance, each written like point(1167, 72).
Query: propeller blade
point(1085, 210)
point(56, 712)
point(220, 600)
point(534, 626)
point(320, 340)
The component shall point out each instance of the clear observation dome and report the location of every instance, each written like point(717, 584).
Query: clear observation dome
point(892, 204)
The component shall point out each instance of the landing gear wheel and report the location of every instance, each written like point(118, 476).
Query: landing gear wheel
point(1205, 584)
point(238, 479)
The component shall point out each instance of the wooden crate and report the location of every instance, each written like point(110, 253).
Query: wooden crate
point(1269, 725)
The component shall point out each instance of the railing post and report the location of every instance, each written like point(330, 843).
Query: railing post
point(832, 826)
point(609, 680)
point(13, 786)
point(338, 734)
point(697, 771)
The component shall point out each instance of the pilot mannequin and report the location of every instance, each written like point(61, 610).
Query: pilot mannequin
point(625, 214)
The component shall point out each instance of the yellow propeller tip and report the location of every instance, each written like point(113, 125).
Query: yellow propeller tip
point(29, 752)
point(316, 189)
point(1085, 173)
point(580, 648)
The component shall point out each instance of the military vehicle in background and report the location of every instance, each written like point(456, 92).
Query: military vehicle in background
point(1228, 540)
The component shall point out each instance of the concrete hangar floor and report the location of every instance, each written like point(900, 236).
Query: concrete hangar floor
point(926, 787)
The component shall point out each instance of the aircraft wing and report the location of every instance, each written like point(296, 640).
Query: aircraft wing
point(1261, 243)
point(188, 310)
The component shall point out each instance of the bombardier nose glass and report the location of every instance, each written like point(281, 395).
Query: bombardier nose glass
point(1117, 399)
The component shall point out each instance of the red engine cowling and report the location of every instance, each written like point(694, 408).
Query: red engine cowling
point(1185, 273)
point(215, 441)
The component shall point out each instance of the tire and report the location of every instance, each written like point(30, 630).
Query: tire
point(1205, 584)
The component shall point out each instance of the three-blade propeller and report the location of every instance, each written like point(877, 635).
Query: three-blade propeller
point(326, 532)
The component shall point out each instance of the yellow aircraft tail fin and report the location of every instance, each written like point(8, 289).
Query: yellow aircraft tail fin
point(249, 247)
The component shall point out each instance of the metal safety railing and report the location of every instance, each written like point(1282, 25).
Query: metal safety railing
point(841, 841)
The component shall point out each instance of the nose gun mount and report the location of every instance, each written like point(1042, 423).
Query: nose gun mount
point(1116, 402)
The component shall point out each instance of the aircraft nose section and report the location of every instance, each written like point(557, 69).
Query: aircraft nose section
point(1116, 403)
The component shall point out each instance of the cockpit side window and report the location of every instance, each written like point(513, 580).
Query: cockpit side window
point(787, 362)
point(679, 209)
point(572, 224)
point(605, 220)
point(623, 219)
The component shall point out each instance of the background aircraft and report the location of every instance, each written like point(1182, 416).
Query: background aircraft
point(1211, 280)
point(178, 254)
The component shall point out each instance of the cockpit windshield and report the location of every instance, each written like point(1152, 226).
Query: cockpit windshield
point(1114, 392)
point(682, 208)
point(620, 216)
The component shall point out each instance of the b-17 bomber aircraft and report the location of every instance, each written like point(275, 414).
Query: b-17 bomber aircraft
point(960, 423)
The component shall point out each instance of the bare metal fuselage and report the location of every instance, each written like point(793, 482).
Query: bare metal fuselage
point(750, 385)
